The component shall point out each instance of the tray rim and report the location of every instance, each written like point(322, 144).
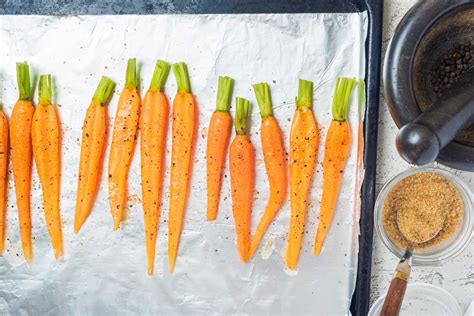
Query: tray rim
point(361, 296)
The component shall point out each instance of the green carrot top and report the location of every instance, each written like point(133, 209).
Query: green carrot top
point(242, 113)
point(264, 100)
point(160, 74)
point(340, 100)
point(104, 90)
point(224, 93)
point(23, 79)
point(182, 77)
point(131, 78)
point(45, 89)
point(305, 94)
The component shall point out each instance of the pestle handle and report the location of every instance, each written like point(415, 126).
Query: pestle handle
point(420, 141)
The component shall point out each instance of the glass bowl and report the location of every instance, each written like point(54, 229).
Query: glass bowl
point(423, 299)
point(448, 248)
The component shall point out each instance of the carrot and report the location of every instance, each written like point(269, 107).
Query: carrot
point(183, 136)
point(242, 178)
point(275, 165)
point(153, 128)
point(3, 176)
point(94, 140)
point(45, 135)
point(304, 141)
point(124, 136)
point(21, 153)
point(217, 142)
point(336, 152)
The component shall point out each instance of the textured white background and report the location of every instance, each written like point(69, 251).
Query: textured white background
point(457, 275)
point(105, 272)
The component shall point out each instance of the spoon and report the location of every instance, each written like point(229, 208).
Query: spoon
point(396, 291)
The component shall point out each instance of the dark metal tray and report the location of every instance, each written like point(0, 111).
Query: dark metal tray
point(360, 299)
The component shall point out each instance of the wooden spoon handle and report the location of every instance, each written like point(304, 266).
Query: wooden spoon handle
point(396, 292)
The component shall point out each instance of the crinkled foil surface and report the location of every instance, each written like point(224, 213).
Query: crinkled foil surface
point(104, 272)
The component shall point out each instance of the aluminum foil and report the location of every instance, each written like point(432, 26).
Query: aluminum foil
point(104, 272)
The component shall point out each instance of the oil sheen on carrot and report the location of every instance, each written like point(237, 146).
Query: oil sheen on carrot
point(21, 155)
point(218, 137)
point(242, 178)
point(94, 141)
point(337, 147)
point(184, 120)
point(275, 164)
point(45, 134)
point(304, 141)
point(154, 118)
point(124, 137)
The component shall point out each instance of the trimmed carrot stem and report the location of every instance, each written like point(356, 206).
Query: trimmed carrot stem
point(45, 88)
point(275, 164)
point(224, 93)
point(131, 78)
point(336, 152)
point(182, 77)
point(217, 143)
point(262, 93)
point(104, 91)
point(23, 79)
point(94, 140)
point(242, 178)
point(21, 155)
point(242, 113)
point(160, 74)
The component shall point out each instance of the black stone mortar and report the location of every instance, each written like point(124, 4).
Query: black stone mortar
point(431, 36)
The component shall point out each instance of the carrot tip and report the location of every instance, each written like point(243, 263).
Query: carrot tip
point(171, 264)
point(150, 270)
point(116, 223)
point(57, 254)
point(317, 250)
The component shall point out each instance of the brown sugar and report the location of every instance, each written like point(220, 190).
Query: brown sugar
point(422, 207)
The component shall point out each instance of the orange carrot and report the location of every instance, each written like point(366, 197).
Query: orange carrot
point(242, 178)
point(45, 135)
point(275, 165)
point(3, 176)
point(336, 152)
point(21, 153)
point(304, 141)
point(153, 128)
point(123, 142)
point(217, 142)
point(183, 137)
point(94, 141)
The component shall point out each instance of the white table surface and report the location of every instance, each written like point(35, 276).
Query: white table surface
point(457, 275)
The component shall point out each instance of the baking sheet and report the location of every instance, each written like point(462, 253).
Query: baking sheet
point(105, 272)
